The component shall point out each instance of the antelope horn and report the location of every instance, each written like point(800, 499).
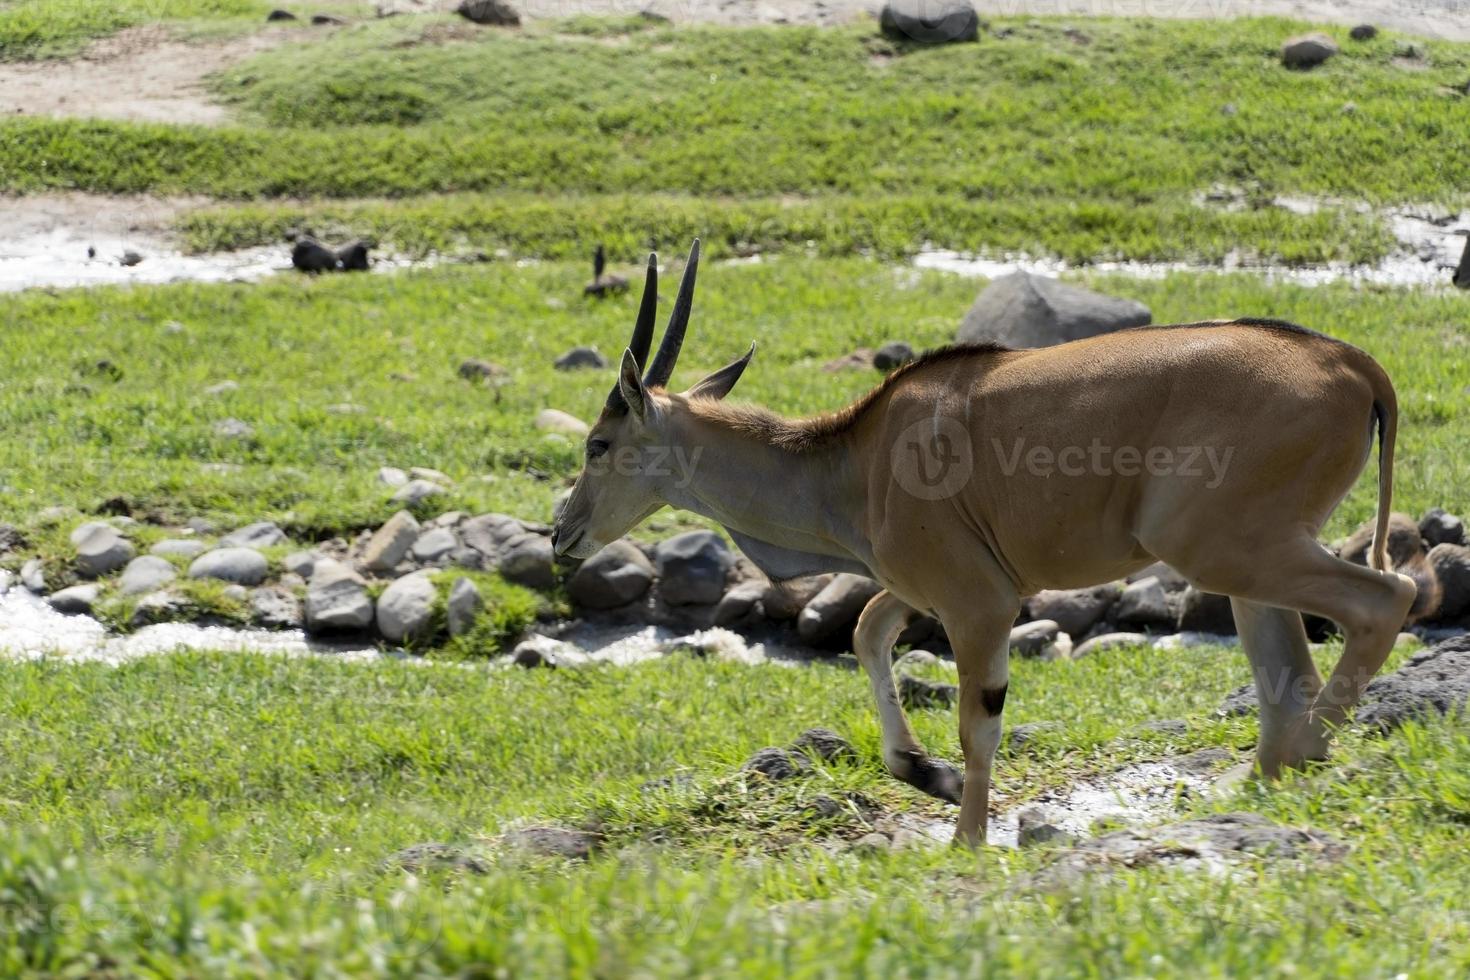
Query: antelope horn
point(643, 328)
point(662, 367)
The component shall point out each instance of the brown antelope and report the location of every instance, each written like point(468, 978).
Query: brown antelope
point(978, 475)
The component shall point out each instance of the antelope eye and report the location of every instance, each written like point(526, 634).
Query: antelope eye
point(596, 448)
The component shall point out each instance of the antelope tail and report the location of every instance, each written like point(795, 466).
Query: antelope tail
point(1386, 415)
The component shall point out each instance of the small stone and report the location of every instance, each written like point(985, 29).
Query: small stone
point(145, 574)
point(1110, 641)
point(1075, 611)
point(917, 693)
point(423, 858)
point(33, 575)
point(1438, 527)
point(464, 606)
point(555, 420)
point(430, 474)
point(327, 20)
point(179, 547)
point(129, 258)
point(475, 369)
point(495, 13)
point(81, 531)
point(1145, 604)
point(832, 613)
point(275, 608)
point(277, 15)
point(741, 604)
point(1032, 639)
point(159, 607)
point(262, 534)
point(337, 599)
point(243, 566)
point(580, 357)
point(874, 843)
point(859, 360)
point(222, 388)
point(77, 600)
point(1307, 50)
point(233, 428)
point(300, 563)
point(824, 744)
point(1033, 829)
point(406, 608)
point(392, 476)
point(528, 561)
point(1363, 32)
point(433, 545)
point(416, 491)
point(915, 659)
point(102, 551)
point(776, 764)
point(891, 355)
point(560, 842)
point(1017, 737)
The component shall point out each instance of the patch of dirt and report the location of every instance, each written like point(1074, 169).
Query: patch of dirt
point(143, 74)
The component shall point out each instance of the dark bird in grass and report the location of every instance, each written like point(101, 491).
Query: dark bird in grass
point(603, 283)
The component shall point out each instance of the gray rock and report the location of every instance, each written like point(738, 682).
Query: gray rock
point(77, 600)
point(1109, 641)
point(833, 612)
point(776, 764)
point(337, 599)
point(615, 576)
point(11, 538)
point(102, 551)
point(825, 745)
point(82, 531)
point(1031, 639)
point(914, 660)
point(233, 428)
point(301, 563)
point(1241, 701)
point(489, 533)
point(495, 13)
point(692, 568)
point(1145, 605)
point(1017, 737)
point(475, 369)
point(243, 566)
point(873, 843)
point(425, 858)
point(262, 534)
point(235, 591)
point(580, 357)
point(1438, 527)
point(160, 607)
point(433, 545)
point(1307, 50)
point(741, 604)
point(416, 491)
point(555, 420)
point(1171, 580)
point(784, 601)
point(145, 574)
point(1025, 310)
point(558, 842)
point(893, 354)
point(430, 474)
point(1075, 611)
point(392, 476)
point(464, 606)
point(390, 543)
point(527, 560)
point(1205, 612)
point(1451, 564)
point(929, 21)
point(1034, 830)
point(1206, 842)
point(406, 608)
point(33, 575)
point(180, 547)
point(1433, 681)
point(275, 608)
point(917, 693)
point(450, 519)
point(1363, 32)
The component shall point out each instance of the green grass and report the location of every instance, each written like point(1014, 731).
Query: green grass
point(549, 139)
point(238, 826)
point(304, 351)
point(49, 28)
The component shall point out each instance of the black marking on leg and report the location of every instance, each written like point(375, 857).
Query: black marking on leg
point(994, 699)
point(938, 779)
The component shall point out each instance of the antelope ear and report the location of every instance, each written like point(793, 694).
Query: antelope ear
point(718, 385)
point(630, 385)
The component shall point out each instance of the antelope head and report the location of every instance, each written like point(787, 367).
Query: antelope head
point(627, 471)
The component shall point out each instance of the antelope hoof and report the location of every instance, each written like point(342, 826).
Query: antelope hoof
point(938, 779)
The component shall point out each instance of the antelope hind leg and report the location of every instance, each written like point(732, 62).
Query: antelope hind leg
point(1287, 683)
point(882, 620)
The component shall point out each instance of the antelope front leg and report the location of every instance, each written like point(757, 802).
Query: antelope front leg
point(882, 620)
point(982, 653)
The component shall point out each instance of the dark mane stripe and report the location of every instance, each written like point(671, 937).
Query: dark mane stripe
point(807, 434)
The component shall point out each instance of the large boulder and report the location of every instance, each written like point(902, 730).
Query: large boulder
point(615, 576)
point(1144, 605)
point(337, 599)
point(406, 608)
point(929, 21)
point(241, 566)
point(1075, 610)
point(692, 568)
point(1025, 310)
point(833, 612)
point(1433, 681)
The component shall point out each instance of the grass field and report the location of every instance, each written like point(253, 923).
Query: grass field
point(213, 815)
